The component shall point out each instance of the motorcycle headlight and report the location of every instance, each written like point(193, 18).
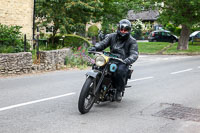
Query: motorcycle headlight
point(100, 61)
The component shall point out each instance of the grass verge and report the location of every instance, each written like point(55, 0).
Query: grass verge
point(151, 47)
point(193, 49)
point(167, 48)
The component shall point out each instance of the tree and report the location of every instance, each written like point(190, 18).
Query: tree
point(51, 13)
point(66, 16)
point(113, 11)
point(110, 14)
point(184, 13)
point(79, 12)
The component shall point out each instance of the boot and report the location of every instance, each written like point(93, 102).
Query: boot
point(118, 96)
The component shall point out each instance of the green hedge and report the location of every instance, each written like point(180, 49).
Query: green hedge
point(67, 40)
point(11, 40)
point(93, 31)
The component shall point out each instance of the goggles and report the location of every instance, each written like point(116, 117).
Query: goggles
point(124, 28)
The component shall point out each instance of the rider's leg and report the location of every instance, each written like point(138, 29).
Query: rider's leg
point(119, 78)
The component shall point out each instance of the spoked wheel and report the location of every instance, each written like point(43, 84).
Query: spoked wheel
point(86, 98)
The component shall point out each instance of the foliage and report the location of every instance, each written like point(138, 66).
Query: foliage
point(67, 40)
point(73, 42)
point(110, 15)
point(66, 16)
point(11, 39)
point(113, 11)
point(137, 29)
point(93, 31)
point(180, 12)
point(80, 59)
point(175, 30)
point(195, 27)
point(75, 61)
point(170, 27)
point(10, 35)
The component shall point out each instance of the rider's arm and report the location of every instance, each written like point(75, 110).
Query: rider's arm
point(103, 44)
point(133, 52)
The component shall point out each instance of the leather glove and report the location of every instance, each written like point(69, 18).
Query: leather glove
point(127, 61)
point(92, 49)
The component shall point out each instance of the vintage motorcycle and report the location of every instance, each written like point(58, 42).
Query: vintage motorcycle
point(98, 86)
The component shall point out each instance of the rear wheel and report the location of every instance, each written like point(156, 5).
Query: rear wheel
point(86, 98)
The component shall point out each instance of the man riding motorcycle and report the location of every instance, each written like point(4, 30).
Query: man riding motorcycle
point(124, 46)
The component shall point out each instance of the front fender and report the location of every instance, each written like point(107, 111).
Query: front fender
point(92, 73)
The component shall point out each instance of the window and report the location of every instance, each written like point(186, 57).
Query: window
point(168, 34)
point(198, 35)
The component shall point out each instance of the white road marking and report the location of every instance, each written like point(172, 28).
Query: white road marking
point(181, 71)
point(152, 59)
point(36, 101)
point(140, 79)
point(198, 66)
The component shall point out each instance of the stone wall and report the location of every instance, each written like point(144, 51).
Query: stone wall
point(54, 59)
point(18, 12)
point(20, 63)
point(15, 63)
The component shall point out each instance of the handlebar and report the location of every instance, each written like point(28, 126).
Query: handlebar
point(107, 53)
point(118, 59)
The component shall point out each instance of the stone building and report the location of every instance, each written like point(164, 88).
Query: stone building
point(147, 17)
point(144, 16)
point(18, 12)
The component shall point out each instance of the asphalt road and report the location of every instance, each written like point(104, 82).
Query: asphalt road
point(47, 102)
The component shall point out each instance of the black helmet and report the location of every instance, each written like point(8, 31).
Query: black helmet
point(124, 28)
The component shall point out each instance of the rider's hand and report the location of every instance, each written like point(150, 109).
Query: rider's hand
point(92, 49)
point(127, 61)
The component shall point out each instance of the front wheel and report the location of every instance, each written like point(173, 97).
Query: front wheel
point(86, 98)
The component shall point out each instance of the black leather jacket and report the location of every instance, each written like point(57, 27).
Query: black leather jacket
point(123, 48)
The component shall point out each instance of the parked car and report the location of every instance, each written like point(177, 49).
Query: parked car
point(195, 36)
point(162, 36)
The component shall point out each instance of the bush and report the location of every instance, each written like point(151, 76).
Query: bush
point(177, 31)
point(10, 39)
point(66, 40)
point(93, 31)
point(73, 41)
point(80, 59)
point(137, 29)
point(195, 28)
point(170, 27)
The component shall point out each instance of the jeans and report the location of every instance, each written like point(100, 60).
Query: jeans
point(120, 77)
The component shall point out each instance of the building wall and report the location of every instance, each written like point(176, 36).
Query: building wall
point(18, 12)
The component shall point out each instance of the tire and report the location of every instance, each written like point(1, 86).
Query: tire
point(86, 98)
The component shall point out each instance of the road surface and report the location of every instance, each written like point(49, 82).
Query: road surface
point(164, 97)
